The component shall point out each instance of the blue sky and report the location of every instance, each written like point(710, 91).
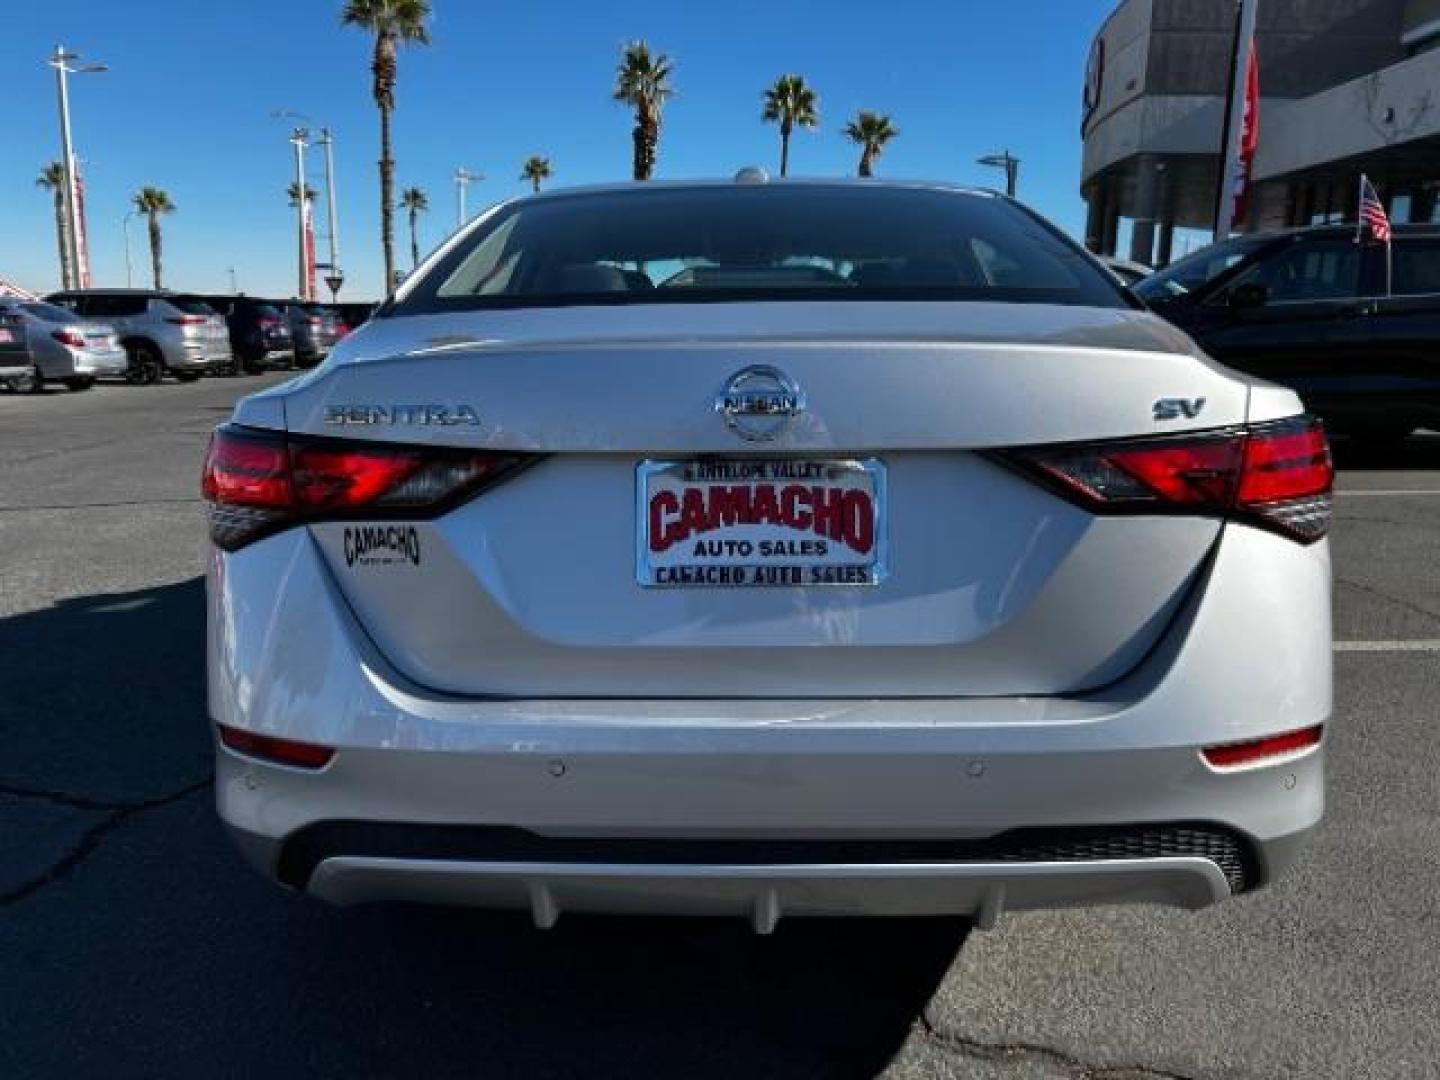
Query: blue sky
point(186, 106)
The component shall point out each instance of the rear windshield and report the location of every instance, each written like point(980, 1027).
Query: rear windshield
point(762, 242)
point(51, 313)
point(190, 305)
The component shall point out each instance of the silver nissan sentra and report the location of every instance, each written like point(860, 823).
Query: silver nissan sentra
point(769, 549)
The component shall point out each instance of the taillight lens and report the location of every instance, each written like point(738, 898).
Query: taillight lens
point(73, 338)
point(1276, 475)
point(259, 482)
point(187, 320)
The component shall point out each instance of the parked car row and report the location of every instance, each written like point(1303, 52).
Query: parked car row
point(74, 337)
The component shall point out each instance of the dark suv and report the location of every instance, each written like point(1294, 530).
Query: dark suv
point(1311, 309)
point(259, 332)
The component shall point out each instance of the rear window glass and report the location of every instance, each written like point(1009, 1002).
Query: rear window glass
point(190, 305)
point(52, 313)
point(769, 242)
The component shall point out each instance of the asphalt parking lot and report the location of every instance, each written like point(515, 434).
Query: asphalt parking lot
point(134, 943)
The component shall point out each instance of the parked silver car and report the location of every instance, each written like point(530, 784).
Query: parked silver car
point(314, 331)
point(160, 331)
point(15, 362)
point(769, 549)
point(63, 347)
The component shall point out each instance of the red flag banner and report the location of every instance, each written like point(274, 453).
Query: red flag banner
point(1249, 140)
point(309, 250)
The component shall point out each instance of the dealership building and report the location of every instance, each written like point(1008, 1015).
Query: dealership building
point(1346, 86)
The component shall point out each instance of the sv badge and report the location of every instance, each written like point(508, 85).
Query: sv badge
point(1177, 408)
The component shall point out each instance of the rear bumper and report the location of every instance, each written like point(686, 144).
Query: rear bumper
point(1248, 656)
point(762, 892)
point(198, 357)
point(100, 362)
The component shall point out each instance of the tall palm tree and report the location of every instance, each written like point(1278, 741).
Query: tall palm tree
point(536, 168)
point(792, 104)
point(870, 131)
point(152, 202)
point(413, 200)
point(642, 81)
point(394, 23)
point(293, 193)
point(52, 179)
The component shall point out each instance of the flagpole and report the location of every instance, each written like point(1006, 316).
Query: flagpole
point(1233, 126)
point(1360, 211)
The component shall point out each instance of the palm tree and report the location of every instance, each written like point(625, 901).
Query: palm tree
point(642, 81)
point(152, 202)
point(536, 169)
point(414, 201)
point(293, 193)
point(394, 23)
point(792, 103)
point(52, 178)
point(871, 131)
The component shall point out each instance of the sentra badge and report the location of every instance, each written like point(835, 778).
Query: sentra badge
point(416, 415)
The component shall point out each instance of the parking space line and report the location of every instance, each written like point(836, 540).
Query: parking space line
point(1412, 645)
point(1387, 491)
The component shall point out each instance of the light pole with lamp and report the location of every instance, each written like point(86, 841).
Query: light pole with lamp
point(125, 224)
point(463, 177)
point(1007, 161)
point(300, 138)
point(334, 276)
point(61, 61)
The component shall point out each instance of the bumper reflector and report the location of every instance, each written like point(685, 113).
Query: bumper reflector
point(299, 755)
point(1234, 755)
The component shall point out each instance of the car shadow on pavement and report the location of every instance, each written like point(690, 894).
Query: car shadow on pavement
point(130, 908)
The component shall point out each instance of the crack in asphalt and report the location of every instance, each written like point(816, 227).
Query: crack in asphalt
point(1381, 594)
point(116, 814)
point(101, 505)
point(1007, 1052)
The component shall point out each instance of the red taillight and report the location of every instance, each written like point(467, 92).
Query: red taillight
point(73, 338)
point(301, 755)
point(269, 324)
point(260, 481)
point(187, 320)
point(341, 330)
point(1277, 475)
point(1234, 755)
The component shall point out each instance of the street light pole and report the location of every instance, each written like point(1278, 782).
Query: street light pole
point(328, 141)
point(60, 61)
point(299, 139)
point(1007, 161)
point(125, 224)
point(334, 276)
point(463, 176)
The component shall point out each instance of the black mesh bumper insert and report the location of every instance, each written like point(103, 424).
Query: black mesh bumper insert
point(305, 849)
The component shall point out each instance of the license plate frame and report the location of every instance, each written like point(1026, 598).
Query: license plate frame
point(827, 550)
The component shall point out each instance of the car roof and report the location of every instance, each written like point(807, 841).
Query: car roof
point(119, 292)
point(1347, 229)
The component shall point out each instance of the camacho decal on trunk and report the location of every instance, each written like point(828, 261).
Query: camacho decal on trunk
point(382, 545)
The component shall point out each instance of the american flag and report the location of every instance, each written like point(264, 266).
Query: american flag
point(1372, 212)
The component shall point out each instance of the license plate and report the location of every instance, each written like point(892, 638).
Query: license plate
point(748, 522)
point(7, 335)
